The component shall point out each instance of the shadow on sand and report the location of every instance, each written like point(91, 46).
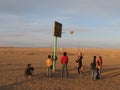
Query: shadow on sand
point(12, 86)
point(111, 71)
point(108, 72)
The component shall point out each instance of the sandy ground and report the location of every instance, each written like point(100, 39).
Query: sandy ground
point(13, 62)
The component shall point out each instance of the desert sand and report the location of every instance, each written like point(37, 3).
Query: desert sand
point(13, 62)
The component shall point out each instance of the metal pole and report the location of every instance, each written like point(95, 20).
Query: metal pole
point(54, 57)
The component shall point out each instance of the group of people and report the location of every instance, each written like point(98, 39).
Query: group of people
point(64, 62)
point(64, 67)
point(96, 66)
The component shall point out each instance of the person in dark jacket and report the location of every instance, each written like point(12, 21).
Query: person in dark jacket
point(93, 69)
point(29, 70)
point(80, 66)
point(53, 59)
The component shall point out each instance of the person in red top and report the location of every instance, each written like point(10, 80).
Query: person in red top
point(99, 64)
point(64, 62)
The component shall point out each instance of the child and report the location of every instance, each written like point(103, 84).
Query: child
point(93, 69)
point(29, 70)
point(80, 67)
point(97, 73)
point(99, 64)
point(49, 64)
point(64, 63)
point(53, 59)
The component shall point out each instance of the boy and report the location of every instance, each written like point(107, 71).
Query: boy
point(79, 61)
point(49, 64)
point(64, 62)
point(93, 69)
point(29, 70)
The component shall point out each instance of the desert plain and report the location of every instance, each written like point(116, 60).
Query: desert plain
point(13, 62)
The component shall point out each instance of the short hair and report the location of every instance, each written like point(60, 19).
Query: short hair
point(49, 56)
point(64, 53)
point(29, 65)
point(94, 59)
point(94, 56)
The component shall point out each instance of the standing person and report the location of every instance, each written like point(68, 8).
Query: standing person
point(80, 66)
point(99, 64)
point(49, 64)
point(93, 69)
point(53, 59)
point(64, 62)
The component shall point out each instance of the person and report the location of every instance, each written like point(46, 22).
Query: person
point(53, 56)
point(80, 66)
point(99, 64)
point(29, 70)
point(49, 64)
point(53, 59)
point(64, 63)
point(97, 73)
point(93, 69)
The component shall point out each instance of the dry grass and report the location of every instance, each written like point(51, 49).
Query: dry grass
point(13, 62)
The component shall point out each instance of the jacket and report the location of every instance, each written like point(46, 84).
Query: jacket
point(64, 59)
point(49, 62)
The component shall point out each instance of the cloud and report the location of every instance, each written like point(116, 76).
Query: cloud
point(17, 23)
point(31, 21)
point(22, 39)
point(63, 7)
point(11, 34)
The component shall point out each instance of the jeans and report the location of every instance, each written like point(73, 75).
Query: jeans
point(64, 71)
point(100, 70)
point(49, 71)
point(93, 74)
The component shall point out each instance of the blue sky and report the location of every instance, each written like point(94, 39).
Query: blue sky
point(30, 23)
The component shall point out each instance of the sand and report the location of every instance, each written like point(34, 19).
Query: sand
point(13, 62)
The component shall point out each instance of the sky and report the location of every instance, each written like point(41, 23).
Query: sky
point(30, 23)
